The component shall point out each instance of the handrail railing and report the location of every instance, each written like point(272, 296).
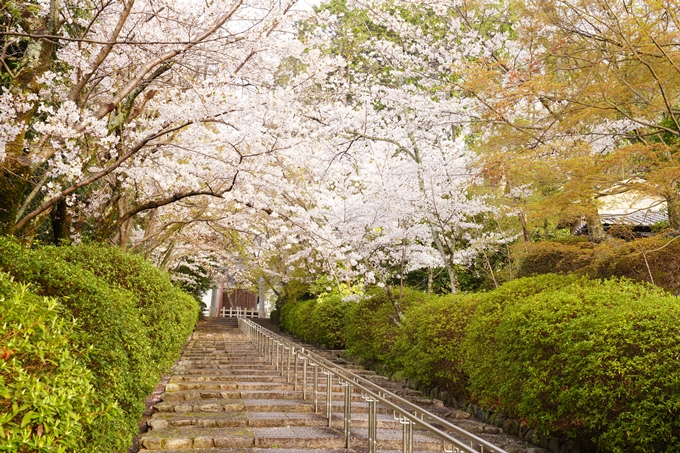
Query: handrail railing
point(407, 413)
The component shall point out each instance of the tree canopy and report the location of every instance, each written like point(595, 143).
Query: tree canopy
point(363, 139)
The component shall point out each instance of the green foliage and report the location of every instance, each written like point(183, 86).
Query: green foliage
point(594, 360)
point(577, 358)
point(658, 256)
point(479, 343)
point(328, 320)
point(373, 324)
point(164, 310)
point(318, 321)
point(46, 396)
point(659, 226)
point(131, 325)
point(553, 257)
point(428, 346)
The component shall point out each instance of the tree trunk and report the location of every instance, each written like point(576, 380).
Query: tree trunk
point(673, 206)
point(595, 228)
point(523, 221)
point(61, 221)
point(12, 189)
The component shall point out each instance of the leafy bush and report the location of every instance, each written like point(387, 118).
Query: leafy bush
point(658, 256)
point(45, 392)
point(428, 346)
point(165, 311)
point(655, 260)
point(592, 360)
point(553, 257)
point(373, 324)
point(327, 321)
point(295, 318)
point(480, 342)
point(125, 336)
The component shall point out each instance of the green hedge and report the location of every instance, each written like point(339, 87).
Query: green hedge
point(46, 394)
point(373, 325)
point(658, 255)
point(428, 346)
point(577, 358)
point(318, 321)
point(164, 309)
point(480, 342)
point(595, 360)
point(131, 325)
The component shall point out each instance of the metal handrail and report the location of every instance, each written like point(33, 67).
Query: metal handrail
point(407, 413)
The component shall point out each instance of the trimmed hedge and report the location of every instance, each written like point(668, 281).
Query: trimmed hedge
point(317, 321)
point(480, 342)
point(46, 396)
point(592, 360)
point(373, 325)
point(658, 255)
point(428, 346)
point(131, 325)
point(577, 358)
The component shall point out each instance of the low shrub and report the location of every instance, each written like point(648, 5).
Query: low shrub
point(592, 360)
point(295, 318)
point(480, 342)
point(319, 321)
point(327, 321)
point(428, 346)
point(372, 324)
point(46, 397)
point(655, 260)
point(120, 319)
point(165, 310)
point(548, 257)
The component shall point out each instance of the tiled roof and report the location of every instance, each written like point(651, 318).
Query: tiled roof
point(642, 218)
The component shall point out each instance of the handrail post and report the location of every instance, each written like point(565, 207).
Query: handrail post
point(329, 397)
point(348, 414)
point(316, 388)
point(304, 378)
point(407, 435)
point(295, 383)
point(372, 422)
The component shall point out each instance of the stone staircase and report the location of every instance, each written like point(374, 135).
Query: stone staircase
point(224, 397)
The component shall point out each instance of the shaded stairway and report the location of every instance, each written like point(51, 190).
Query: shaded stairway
point(225, 397)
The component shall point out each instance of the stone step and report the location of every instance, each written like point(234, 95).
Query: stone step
point(259, 450)
point(236, 419)
point(223, 377)
point(275, 405)
point(214, 405)
point(279, 437)
point(226, 397)
point(200, 395)
point(231, 385)
point(392, 439)
point(181, 386)
point(163, 421)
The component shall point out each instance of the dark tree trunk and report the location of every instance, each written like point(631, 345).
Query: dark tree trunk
point(61, 223)
point(673, 203)
point(595, 228)
point(12, 189)
point(523, 221)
